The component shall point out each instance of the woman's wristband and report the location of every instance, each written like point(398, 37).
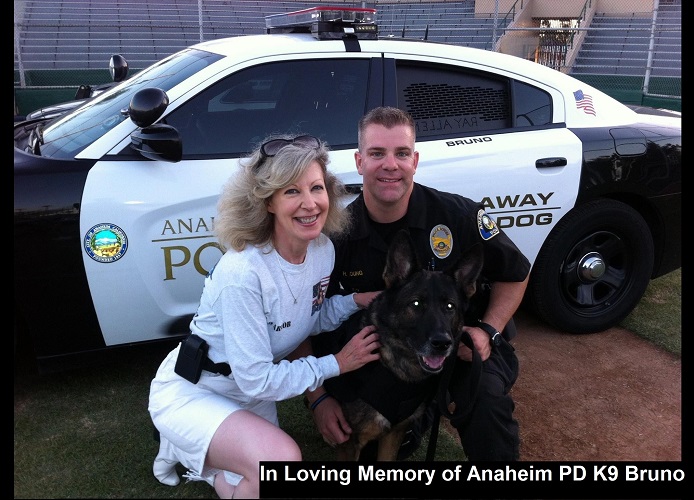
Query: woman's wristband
point(318, 401)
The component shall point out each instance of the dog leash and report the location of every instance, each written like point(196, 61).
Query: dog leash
point(463, 408)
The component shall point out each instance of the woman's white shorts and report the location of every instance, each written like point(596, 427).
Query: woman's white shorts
point(187, 415)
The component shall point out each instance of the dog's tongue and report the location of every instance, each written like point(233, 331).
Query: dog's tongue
point(434, 362)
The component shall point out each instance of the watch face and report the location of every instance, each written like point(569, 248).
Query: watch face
point(493, 333)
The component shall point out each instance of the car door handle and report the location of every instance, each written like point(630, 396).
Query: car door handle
point(550, 162)
point(354, 188)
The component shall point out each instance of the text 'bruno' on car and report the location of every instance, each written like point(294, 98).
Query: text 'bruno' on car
point(114, 202)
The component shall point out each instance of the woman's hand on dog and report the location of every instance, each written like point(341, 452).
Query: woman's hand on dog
point(360, 350)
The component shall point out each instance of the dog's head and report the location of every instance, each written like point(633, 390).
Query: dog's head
point(420, 313)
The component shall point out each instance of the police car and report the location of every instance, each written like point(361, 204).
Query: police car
point(114, 203)
point(118, 67)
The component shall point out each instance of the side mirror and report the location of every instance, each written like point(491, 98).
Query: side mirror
point(158, 142)
point(83, 91)
point(118, 67)
point(155, 141)
point(147, 106)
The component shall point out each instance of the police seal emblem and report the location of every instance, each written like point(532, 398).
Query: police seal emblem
point(441, 241)
point(486, 225)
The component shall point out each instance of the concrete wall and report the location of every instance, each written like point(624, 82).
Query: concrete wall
point(567, 8)
point(520, 43)
point(524, 43)
point(644, 8)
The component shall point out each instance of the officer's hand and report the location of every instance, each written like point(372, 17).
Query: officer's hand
point(481, 341)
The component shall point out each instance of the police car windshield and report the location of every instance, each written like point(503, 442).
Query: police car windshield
point(67, 136)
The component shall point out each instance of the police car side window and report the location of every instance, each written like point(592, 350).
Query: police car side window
point(229, 118)
point(532, 106)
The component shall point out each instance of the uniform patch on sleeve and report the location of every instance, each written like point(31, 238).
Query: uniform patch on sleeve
point(486, 225)
point(441, 241)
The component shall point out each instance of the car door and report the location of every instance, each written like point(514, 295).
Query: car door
point(148, 226)
point(493, 137)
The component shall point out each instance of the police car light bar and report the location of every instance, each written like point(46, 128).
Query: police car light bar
point(326, 22)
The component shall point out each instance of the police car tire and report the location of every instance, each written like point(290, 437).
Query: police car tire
point(602, 228)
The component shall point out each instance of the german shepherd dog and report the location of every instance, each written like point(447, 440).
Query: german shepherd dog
point(419, 319)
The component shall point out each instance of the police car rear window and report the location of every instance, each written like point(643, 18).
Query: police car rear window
point(449, 101)
point(445, 100)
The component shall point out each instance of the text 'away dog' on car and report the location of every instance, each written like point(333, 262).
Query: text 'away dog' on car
point(115, 201)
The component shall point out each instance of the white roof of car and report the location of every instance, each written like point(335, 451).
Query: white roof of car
point(608, 111)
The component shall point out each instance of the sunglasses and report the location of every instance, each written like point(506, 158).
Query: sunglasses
point(273, 146)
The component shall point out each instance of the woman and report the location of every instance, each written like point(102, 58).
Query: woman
point(264, 297)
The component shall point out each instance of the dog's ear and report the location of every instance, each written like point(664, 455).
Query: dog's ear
point(468, 269)
point(401, 261)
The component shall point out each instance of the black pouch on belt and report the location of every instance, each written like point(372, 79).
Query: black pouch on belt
point(191, 358)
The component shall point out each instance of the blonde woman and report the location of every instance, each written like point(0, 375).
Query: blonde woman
point(265, 296)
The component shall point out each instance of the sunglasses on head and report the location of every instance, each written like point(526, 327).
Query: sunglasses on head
point(272, 147)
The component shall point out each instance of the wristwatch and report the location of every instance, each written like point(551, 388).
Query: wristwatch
point(493, 333)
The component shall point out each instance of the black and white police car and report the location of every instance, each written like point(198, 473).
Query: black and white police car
point(114, 203)
point(118, 68)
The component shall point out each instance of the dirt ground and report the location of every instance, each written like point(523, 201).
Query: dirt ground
point(610, 396)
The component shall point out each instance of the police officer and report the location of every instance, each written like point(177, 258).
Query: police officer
point(442, 226)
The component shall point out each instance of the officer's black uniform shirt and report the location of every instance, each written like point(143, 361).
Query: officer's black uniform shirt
point(360, 256)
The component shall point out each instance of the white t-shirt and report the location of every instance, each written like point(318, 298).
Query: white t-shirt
point(249, 318)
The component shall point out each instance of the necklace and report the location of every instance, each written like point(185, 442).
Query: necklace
point(286, 281)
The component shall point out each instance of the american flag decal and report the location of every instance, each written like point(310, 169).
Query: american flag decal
point(319, 290)
point(584, 102)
